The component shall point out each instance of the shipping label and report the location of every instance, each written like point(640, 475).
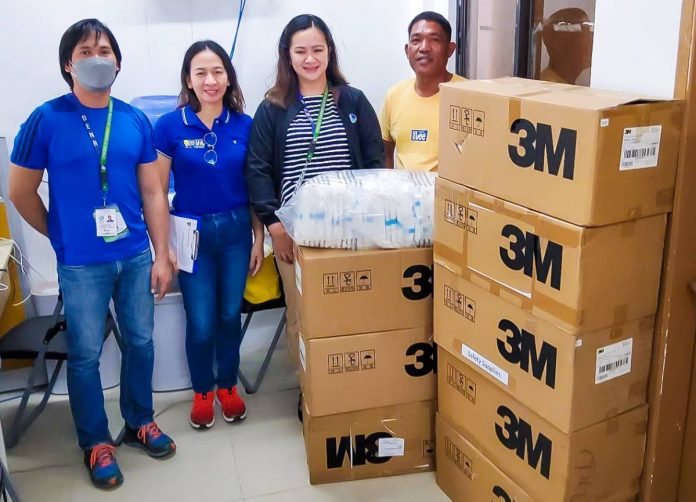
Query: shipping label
point(391, 447)
point(614, 360)
point(485, 364)
point(640, 148)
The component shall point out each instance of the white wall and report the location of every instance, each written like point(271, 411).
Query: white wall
point(154, 34)
point(635, 46)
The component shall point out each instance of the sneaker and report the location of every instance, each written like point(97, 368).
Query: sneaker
point(233, 408)
point(203, 410)
point(155, 442)
point(103, 468)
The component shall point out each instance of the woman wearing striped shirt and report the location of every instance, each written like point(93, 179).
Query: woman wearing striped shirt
point(311, 122)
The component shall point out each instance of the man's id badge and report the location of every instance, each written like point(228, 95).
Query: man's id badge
point(110, 223)
point(106, 221)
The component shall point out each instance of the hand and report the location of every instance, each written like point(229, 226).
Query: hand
point(173, 261)
point(256, 258)
point(282, 243)
point(160, 277)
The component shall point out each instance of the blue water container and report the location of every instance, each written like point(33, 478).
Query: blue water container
point(154, 107)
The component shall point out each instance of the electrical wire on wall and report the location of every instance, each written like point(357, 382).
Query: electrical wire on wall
point(242, 5)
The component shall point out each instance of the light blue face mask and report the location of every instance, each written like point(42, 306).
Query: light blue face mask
point(96, 74)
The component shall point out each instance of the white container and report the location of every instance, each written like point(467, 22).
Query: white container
point(45, 297)
point(171, 367)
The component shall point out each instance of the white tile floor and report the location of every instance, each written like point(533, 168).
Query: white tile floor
point(261, 459)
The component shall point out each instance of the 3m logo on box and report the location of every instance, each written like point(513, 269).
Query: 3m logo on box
point(461, 216)
point(425, 359)
point(520, 348)
point(363, 450)
point(420, 282)
point(536, 147)
point(467, 120)
point(517, 435)
point(501, 494)
point(525, 253)
point(462, 305)
point(458, 458)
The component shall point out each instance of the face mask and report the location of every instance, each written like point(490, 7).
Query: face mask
point(95, 74)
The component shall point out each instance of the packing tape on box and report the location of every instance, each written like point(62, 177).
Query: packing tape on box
point(620, 315)
point(665, 197)
point(628, 229)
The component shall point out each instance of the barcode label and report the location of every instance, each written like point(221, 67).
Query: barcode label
point(640, 148)
point(614, 360)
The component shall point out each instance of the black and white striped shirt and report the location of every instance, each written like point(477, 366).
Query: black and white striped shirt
point(331, 153)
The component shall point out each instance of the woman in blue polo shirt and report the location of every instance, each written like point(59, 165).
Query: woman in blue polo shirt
point(204, 145)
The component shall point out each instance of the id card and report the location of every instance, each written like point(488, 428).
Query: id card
point(110, 223)
point(105, 217)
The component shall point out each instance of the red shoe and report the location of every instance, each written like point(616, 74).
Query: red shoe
point(233, 408)
point(203, 411)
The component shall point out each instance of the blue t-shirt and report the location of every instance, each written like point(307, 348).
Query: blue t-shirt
point(54, 138)
point(202, 188)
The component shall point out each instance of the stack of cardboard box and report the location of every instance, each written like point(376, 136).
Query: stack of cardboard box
point(550, 219)
point(367, 362)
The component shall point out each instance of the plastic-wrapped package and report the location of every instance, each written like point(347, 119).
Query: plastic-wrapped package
point(362, 209)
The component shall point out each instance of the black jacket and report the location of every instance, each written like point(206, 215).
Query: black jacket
point(266, 149)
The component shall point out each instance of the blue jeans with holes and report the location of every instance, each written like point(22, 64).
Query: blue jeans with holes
point(213, 296)
point(87, 290)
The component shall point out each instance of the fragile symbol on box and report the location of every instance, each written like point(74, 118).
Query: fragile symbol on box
point(465, 386)
point(330, 284)
point(335, 363)
point(351, 361)
point(455, 117)
point(461, 216)
point(364, 280)
point(479, 123)
point(347, 282)
point(367, 359)
point(462, 305)
point(461, 461)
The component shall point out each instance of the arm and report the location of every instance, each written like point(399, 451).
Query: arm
point(259, 175)
point(371, 143)
point(24, 184)
point(389, 147)
point(164, 166)
point(259, 165)
point(257, 247)
point(155, 209)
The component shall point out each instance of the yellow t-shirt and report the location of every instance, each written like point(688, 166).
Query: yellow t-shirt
point(412, 123)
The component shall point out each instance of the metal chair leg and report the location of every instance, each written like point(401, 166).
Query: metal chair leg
point(7, 483)
point(253, 388)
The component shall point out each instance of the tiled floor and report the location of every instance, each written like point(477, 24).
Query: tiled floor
point(260, 459)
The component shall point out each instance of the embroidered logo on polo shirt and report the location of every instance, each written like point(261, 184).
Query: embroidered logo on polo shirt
point(419, 135)
point(194, 143)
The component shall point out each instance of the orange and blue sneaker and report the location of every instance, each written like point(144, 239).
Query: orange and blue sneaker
point(103, 468)
point(155, 442)
point(233, 407)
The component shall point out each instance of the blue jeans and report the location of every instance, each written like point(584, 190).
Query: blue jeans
point(213, 296)
point(87, 290)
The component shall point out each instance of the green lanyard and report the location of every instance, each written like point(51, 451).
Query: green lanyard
point(316, 127)
point(103, 178)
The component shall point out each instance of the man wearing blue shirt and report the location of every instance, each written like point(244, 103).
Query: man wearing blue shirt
point(100, 159)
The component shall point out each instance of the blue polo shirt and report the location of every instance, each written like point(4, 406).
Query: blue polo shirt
point(54, 138)
point(202, 188)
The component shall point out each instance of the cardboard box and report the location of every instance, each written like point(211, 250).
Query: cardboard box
point(348, 292)
point(601, 462)
point(571, 380)
point(583, 155)
point(356, 372)
point(370, 443)
point(581, 279)
point(466, 475)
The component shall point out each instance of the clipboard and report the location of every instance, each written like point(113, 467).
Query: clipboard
point(184, 238)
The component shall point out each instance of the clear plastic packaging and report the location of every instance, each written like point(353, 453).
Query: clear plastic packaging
point(362, 209)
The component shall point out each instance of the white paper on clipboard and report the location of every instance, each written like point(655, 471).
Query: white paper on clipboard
point(183, 236)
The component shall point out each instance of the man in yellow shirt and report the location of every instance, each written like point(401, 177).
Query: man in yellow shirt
point(411, 110)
